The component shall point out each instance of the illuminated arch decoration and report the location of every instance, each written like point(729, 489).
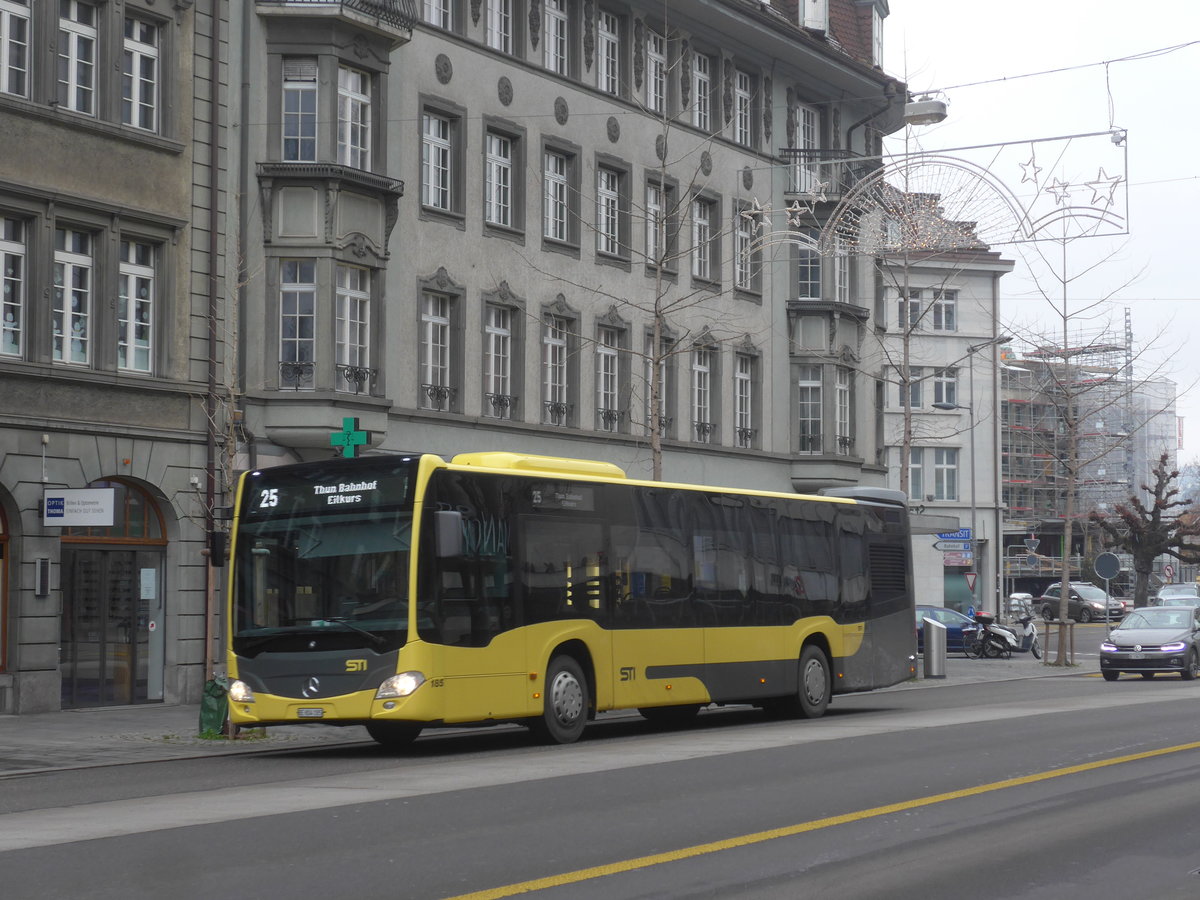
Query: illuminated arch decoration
point(1066, 187)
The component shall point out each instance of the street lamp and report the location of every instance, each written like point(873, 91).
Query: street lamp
point(970, 408)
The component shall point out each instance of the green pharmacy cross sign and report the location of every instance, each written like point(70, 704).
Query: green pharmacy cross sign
point(350, 438)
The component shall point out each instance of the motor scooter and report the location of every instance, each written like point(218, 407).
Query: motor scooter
point(993, 641)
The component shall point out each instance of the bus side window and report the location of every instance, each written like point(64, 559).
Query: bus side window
point(564, 569)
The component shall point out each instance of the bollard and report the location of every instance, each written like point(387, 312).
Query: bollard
point(935, 649)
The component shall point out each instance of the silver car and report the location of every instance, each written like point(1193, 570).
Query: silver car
point(1154, 639)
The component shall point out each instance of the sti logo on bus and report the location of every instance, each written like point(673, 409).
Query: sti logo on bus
point(628, 673)
point(356, 665)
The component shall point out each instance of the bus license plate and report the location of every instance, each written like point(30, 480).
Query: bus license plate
point(310, 712)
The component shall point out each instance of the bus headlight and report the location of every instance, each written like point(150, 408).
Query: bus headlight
point(240, 692)
point(401, 685)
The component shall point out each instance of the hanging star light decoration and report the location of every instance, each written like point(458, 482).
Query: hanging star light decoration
point(797, 212)
point(1104, 188)
point(755, 216)
point(1061, 191)
point(1030, 170)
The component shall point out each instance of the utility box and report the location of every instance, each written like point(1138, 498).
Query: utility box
point(935, 649)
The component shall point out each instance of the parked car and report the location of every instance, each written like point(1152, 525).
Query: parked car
point(956, 624)
point(1152, 640)
point(1170, 594)
point(1086, 603)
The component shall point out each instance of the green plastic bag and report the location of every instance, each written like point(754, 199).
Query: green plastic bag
point(214, 706)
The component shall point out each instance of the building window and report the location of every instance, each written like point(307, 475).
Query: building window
point(945, 311)
point(743, 105)
point(743, 401)
point(436, 390)
point(497, 362)
point(436, 162)
point(608, 211)
point(556, 408)
point(608, 379)
point(12, 287)
point(297, 322)
point(77, 56)
point(139, 75)
point(945, 473)
point(556, 167)
point(557, 41)
point(841, 272)
point(945, 385)
point(909, 311)
point(71, 315)
point(702, 91)
point(808, 265)
point(608, 53)
point(354, 118)
point(705, 240)
point(656, 72)
point(662, 245)
point(916, 476)
point(811, 332)
point(500, 25)
point(14, 47)
point(439, 13)
point(498, 180)
point(300, 109)
point(806, 172)
point(747, 258)
point(702, 411)
point(876, 36)
point(656, 368)
point(914, 385)
point(353, 328)
point(135, 307)
point(845, 439)
point(808, 409)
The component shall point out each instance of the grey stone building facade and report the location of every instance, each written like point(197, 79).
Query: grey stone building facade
point(531, 225)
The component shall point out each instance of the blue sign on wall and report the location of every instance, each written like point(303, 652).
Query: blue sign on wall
point(963, 534)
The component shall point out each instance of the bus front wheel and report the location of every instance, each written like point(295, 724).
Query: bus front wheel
point(393, 735)
point(565, 703)
point(816, 685)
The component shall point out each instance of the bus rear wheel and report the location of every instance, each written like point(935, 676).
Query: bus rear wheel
point(393, 735)
point(566, 703)
point(816, 684)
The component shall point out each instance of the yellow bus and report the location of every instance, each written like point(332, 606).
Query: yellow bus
point(404, 592)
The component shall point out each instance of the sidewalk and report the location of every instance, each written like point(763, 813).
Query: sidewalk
point(82, 738)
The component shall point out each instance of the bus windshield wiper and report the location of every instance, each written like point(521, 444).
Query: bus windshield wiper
point(376, 639)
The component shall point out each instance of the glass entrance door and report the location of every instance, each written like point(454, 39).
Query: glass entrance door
point(112, 636)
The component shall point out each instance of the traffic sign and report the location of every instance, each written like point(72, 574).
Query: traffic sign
point(957, 559)
point(1108, 566)
point(1031, 543)
point(963, 534)
point(971, 576)
point(1169, 572)
point(953, 546)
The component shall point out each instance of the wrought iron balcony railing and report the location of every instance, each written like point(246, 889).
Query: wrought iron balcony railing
point(296, 375)
point(829, 172)
point(610, 419)
point(502, 405)
point(745, 436)
point(394, 13)
point(845, 445)
point(438, 396)
point(704, 431)
point(556, 412)
point(356, 376)
point(809, 443)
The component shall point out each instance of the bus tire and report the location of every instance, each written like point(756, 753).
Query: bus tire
point(393, 735)
point(566, 702)
point(816, 684)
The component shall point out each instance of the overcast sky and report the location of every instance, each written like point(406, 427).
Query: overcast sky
point(1155, 268)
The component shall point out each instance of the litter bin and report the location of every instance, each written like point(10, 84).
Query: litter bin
point(935, 648)
point(214, 706)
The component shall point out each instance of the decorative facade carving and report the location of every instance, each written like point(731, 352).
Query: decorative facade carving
point(767, 106)
point(685, 73)
point(443, 68)
point(727, 92)
point(589, 33)
point(614, 129)
point(639, 53)
point(504, 90)
point(561, 111)
point(535, 22)
point(475, 5)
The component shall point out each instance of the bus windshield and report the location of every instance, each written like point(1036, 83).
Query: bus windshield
point(322, 558)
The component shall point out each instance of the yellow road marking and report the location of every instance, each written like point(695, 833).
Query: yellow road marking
point(745, 840)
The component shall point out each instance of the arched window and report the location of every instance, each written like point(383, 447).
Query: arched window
point(136, 518)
